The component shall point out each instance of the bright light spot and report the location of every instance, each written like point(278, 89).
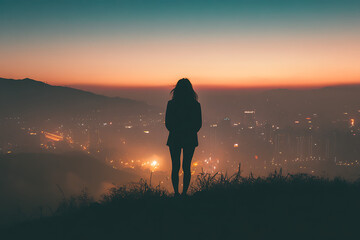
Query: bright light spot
point(352, 122)
point(154, 165)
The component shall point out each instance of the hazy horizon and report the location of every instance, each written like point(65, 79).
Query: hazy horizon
point(158, 95)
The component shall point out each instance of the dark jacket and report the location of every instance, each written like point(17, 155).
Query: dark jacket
point(183, 120)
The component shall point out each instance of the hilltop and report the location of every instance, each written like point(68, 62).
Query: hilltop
point(276, 207)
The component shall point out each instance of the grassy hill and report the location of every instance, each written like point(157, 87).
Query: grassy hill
point(220, 207)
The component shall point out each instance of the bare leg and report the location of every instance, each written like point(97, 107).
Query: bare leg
point(175, 159)
point(188, 153)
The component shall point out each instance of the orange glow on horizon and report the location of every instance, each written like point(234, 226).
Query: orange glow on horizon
point(221, 84)
point(279, 61)
point(296, 84)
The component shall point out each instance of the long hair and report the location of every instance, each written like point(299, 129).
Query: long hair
point(184, 91)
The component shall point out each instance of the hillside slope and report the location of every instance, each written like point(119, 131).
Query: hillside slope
point(32, 180)
point(28, 98)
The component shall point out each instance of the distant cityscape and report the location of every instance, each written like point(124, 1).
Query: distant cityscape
point(259, 146)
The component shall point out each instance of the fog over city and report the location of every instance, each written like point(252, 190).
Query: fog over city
point(57, 141)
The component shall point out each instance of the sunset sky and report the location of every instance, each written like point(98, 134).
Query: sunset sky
point(244, 43)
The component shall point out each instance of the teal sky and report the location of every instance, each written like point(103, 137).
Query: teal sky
point(37, 18)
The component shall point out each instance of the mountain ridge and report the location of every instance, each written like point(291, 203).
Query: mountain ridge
point(27, 96)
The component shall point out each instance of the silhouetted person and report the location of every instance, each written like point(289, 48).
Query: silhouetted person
point(183, 120)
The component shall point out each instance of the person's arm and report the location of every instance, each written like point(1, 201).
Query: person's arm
point(168, 118)
point(198, 118)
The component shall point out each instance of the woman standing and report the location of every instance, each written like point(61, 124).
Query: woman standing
point(183, 120)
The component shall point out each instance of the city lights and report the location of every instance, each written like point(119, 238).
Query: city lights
point(258, 144)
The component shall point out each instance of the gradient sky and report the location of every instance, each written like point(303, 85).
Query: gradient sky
point(231, 43)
